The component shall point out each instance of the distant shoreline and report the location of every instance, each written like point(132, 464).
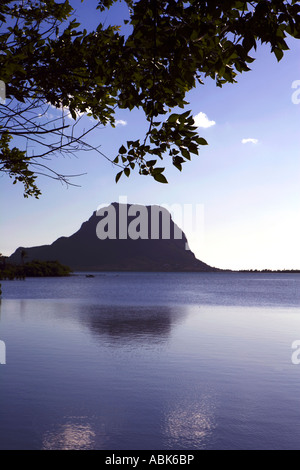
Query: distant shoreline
point(217, 271)
point(269, 271)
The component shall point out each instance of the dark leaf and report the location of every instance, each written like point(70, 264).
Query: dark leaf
point(160, 178)
point(201, 141)
point(119, 176)
point(122, 150)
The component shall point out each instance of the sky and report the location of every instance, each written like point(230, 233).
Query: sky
point(246, 181)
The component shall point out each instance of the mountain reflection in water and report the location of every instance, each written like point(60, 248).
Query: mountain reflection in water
point(131, 324)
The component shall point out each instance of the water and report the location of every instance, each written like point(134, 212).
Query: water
point(151, 361)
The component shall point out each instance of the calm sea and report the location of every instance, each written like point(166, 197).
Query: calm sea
point(151, 361)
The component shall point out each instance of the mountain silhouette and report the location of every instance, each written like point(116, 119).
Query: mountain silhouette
point(134, 238)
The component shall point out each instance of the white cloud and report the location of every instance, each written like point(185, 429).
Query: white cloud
point(250, 141)
point(201, 120)
point(120, 122)
point(67, 113)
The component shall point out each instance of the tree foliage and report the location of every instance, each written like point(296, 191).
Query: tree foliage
point(48, 60)
point(33, 269)
point(28, 138)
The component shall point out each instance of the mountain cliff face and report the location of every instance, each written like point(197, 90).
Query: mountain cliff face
point(121, 238)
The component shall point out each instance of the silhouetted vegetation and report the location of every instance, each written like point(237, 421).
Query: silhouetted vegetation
point(33, 269)
point(278, 271)
point(48, 58)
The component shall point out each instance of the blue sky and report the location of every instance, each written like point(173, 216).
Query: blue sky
point(249, 191)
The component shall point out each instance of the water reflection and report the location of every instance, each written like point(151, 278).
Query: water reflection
point(190, 423)
point(78, 435)
point(106, 364)
point(142, 325)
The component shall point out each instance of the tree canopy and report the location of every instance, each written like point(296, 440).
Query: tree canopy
point(46, 59)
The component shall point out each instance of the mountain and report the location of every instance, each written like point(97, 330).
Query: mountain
point(121, 237)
